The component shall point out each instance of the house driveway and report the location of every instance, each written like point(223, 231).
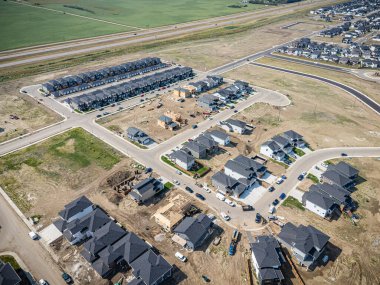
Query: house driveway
point(269, 178)
point(296, 193)
point(251, 196)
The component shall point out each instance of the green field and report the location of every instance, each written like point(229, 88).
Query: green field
point(23, 26)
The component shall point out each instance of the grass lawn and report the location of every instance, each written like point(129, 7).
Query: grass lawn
point(299, 152)
point(293, 203)
point(11, 260)
point(71, 160)
point(168, 185)
point(28, 25)
point(312, 178)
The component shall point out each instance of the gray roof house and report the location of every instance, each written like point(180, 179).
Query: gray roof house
point(267, 259)
point(208, 101)
point(336, 178)
point(137, 135)
point(106, 235)
point(183, 159)
point(250, 163)
point(76, 209)
point(196, 149)
point(235, 126)
point(85, 227)
point(219, 137)
point(345, 169)
point(295, 138)
point(192, 232)
point(146, 189)
point(8, 275)
point(227, 185)
point(305, 242)
point(151, 268)
point(210, 145)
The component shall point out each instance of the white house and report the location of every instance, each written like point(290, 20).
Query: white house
point(273, 150)
point(219, 137)
point(183, 159)
point(235, 126)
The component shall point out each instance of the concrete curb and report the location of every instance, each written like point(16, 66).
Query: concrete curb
point(18, 259)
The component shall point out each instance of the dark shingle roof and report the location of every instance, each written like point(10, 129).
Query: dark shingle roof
point(345, 169)
point(75, 207)
point(319, 199)
point(8, 275)
point(266, 251)
point(194, 229)
point(182, 156)
point(336, 177)
point(146, 185)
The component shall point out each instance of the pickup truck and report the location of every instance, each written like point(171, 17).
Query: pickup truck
point(247, 208)
point(232, 248)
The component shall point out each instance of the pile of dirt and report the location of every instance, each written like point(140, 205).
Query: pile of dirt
point(117, 177)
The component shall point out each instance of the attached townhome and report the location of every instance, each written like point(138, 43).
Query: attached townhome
point(209, 102)
point(146, 189)
point(306, 243)
point(191, 233)
point(267, 259)
point(182, 159)
point(221, 138)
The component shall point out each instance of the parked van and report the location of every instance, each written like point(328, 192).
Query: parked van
point(220, 196)
point(272, 209)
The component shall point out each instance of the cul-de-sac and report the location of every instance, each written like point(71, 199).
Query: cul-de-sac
point(225, 142)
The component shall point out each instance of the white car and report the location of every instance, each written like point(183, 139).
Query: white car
point(33, 235)
point(43, 282)
point(180, 256)
point(220, 196)
point(304, 173)
point(279, 181)
point(229, 202)
point(207, 189)
point(225, 216)
point(176, 182)
point(179, 172)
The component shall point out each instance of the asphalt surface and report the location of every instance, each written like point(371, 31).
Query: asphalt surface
point(14, 237)
point(360, 96)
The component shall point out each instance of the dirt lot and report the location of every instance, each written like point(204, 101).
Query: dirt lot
point(324, 115)
point(368, 87)
point(146, 118)
point(29, 115)
point(356, 260)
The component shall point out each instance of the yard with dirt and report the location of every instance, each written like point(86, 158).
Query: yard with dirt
point(324, 115)
point(355, 260)
point(20, 114)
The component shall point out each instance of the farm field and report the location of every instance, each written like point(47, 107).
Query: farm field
point(49, 26)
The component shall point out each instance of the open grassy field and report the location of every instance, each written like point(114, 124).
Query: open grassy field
point(32, 25)
point(368, 87)
point(324, 115)
point(55, 170)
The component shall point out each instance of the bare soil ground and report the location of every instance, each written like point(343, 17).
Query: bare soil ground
point(354, 256)
point(146, 118)
point(324, 115)
point(31, 115)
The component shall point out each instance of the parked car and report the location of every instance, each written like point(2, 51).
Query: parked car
point(178, 172)
point(176, 182)
point(43, 282)
point(235, 111)
point(207, 189)
point(272, 209)
point(229, 202)
point(272, 218)
point(148, 169)
point(67, 278)
point(99, 115)
point(283, 177)
point(220, 196)
point(33, 235)
point(194, 126)
point(271, 189)
point(275, 202)
point(200, 196)
point(343, 154)
point(247, 208)
point(258, 218)
point(188, 189)
point(282, 196)
point(279, 181)
point(180, 256)
point(225, 216)
point(300, 177)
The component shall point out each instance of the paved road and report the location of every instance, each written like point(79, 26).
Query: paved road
point(14, 237)
point(36, 54)
point(359, 95)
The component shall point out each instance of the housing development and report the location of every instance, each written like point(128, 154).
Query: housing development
point(190, 142)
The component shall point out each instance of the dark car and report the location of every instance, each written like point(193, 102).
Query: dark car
point(343, 154)
point(258, 218)
point(235, 111)
point(67, 278)
point(200, 196)
point(194, 126)
point(148, 169)
point(271, 189)
point(300, 177)
point(188, 189)
point(98, 116)
point(275, 202)
point(282, 196)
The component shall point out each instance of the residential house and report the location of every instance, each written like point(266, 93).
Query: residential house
point(267, 259)
point(209, 102)
point(139, 136)
point(170, 215)
point(294, 138)
point(221, 138)
point(146, 189)
point(183, 159)
point(306, 243)
point(227, 185)
point(272, 149)
point(192, 232)
point(8, 275)
point(235, 126)
point(180, 92)
point(167, 123)
point(345, 169)
point(76, 209)
point(196, 149)
point(210, 145)
point(334, 177)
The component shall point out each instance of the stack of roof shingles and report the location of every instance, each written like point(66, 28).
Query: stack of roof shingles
point(109, 247)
